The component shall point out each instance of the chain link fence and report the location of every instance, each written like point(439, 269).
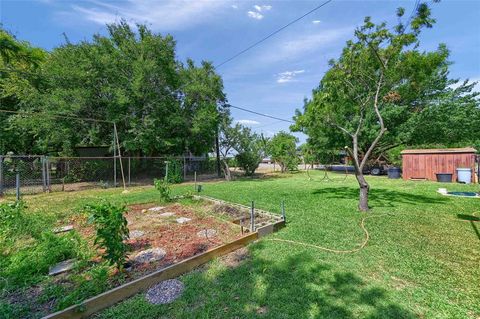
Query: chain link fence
point(37, 174)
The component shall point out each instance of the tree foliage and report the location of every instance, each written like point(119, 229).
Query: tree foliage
point(130, 76)
point(250, 147)
point(375, 95)
point(282, 149)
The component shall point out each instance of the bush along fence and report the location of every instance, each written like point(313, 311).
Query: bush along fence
point(37, 174)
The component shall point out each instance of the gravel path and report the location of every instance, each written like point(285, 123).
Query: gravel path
point(165, 292)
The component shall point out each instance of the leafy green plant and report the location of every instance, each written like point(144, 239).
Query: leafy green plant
point(164, 189)
point(175, 171)
point(111, 229)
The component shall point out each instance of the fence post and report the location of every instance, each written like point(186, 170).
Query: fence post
point(114, 170)
point(129, 171)
point(166, 171)
point(44, 174)
point(17, 186)
point(195, 180)
point(184, 168)
point(1, 175)
point(252, 218)
point(47, 165)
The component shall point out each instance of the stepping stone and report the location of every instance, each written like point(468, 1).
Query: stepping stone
point(62, 229)
point(156, 209)
point(207, 233)
point(183, 220)
point(62, 267)
point(136, 234)
point(167, 214)
point(149, 255)
point(165, 292)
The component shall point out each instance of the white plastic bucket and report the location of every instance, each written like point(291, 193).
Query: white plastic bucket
point(464, 175)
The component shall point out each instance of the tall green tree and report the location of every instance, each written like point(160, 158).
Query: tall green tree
point(250, 147)
point(372, 92)
point(204, 103)
point(282, 149)
point(130, 77)
point(19, 82)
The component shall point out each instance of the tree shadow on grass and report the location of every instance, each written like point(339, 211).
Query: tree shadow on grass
point(473, 220)
point(379, 197)
point(293, 286)
point(299, 286)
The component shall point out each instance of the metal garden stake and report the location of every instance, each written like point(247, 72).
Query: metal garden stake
point(252, 217)
point(17, 186)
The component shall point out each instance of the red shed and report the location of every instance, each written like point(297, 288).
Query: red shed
point(425, 163)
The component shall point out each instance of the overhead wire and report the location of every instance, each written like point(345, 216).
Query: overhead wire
point(272, 34)
point(261, 114)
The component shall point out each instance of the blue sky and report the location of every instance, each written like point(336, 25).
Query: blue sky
point(272, 78)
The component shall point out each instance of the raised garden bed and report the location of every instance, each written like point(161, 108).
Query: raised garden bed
point(165, 241)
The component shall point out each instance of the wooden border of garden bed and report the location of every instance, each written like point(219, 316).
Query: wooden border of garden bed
point(111, 297)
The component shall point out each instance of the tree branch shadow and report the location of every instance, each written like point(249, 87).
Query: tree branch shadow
point(379, 197)
point(296, 286)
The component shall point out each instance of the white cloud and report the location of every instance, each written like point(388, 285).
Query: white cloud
point(255, 15)
point(288, 76)
point(258, 8)
point(234, 6)
point(304, 44)
point(160, 15)
point(247, 122)
point(316, 21)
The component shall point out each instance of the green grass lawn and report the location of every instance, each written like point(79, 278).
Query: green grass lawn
point(422, 260)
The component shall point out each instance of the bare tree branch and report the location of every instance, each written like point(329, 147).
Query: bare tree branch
point(380, 119)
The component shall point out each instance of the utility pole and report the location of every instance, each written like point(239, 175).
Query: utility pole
point(217, 150)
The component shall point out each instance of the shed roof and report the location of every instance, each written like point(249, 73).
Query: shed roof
point(440, 150)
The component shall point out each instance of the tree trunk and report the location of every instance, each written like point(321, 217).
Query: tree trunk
point(226, 171)
point(364, 188)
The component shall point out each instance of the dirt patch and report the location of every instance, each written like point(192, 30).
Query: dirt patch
point(235, 258)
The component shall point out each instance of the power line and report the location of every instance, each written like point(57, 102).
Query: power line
point(261, 114)
point(414, 11)
point(272, 34)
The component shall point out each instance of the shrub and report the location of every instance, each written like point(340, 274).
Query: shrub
point(175, 171)
point(164, 189)
point(248, 161)
point(111, 230)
